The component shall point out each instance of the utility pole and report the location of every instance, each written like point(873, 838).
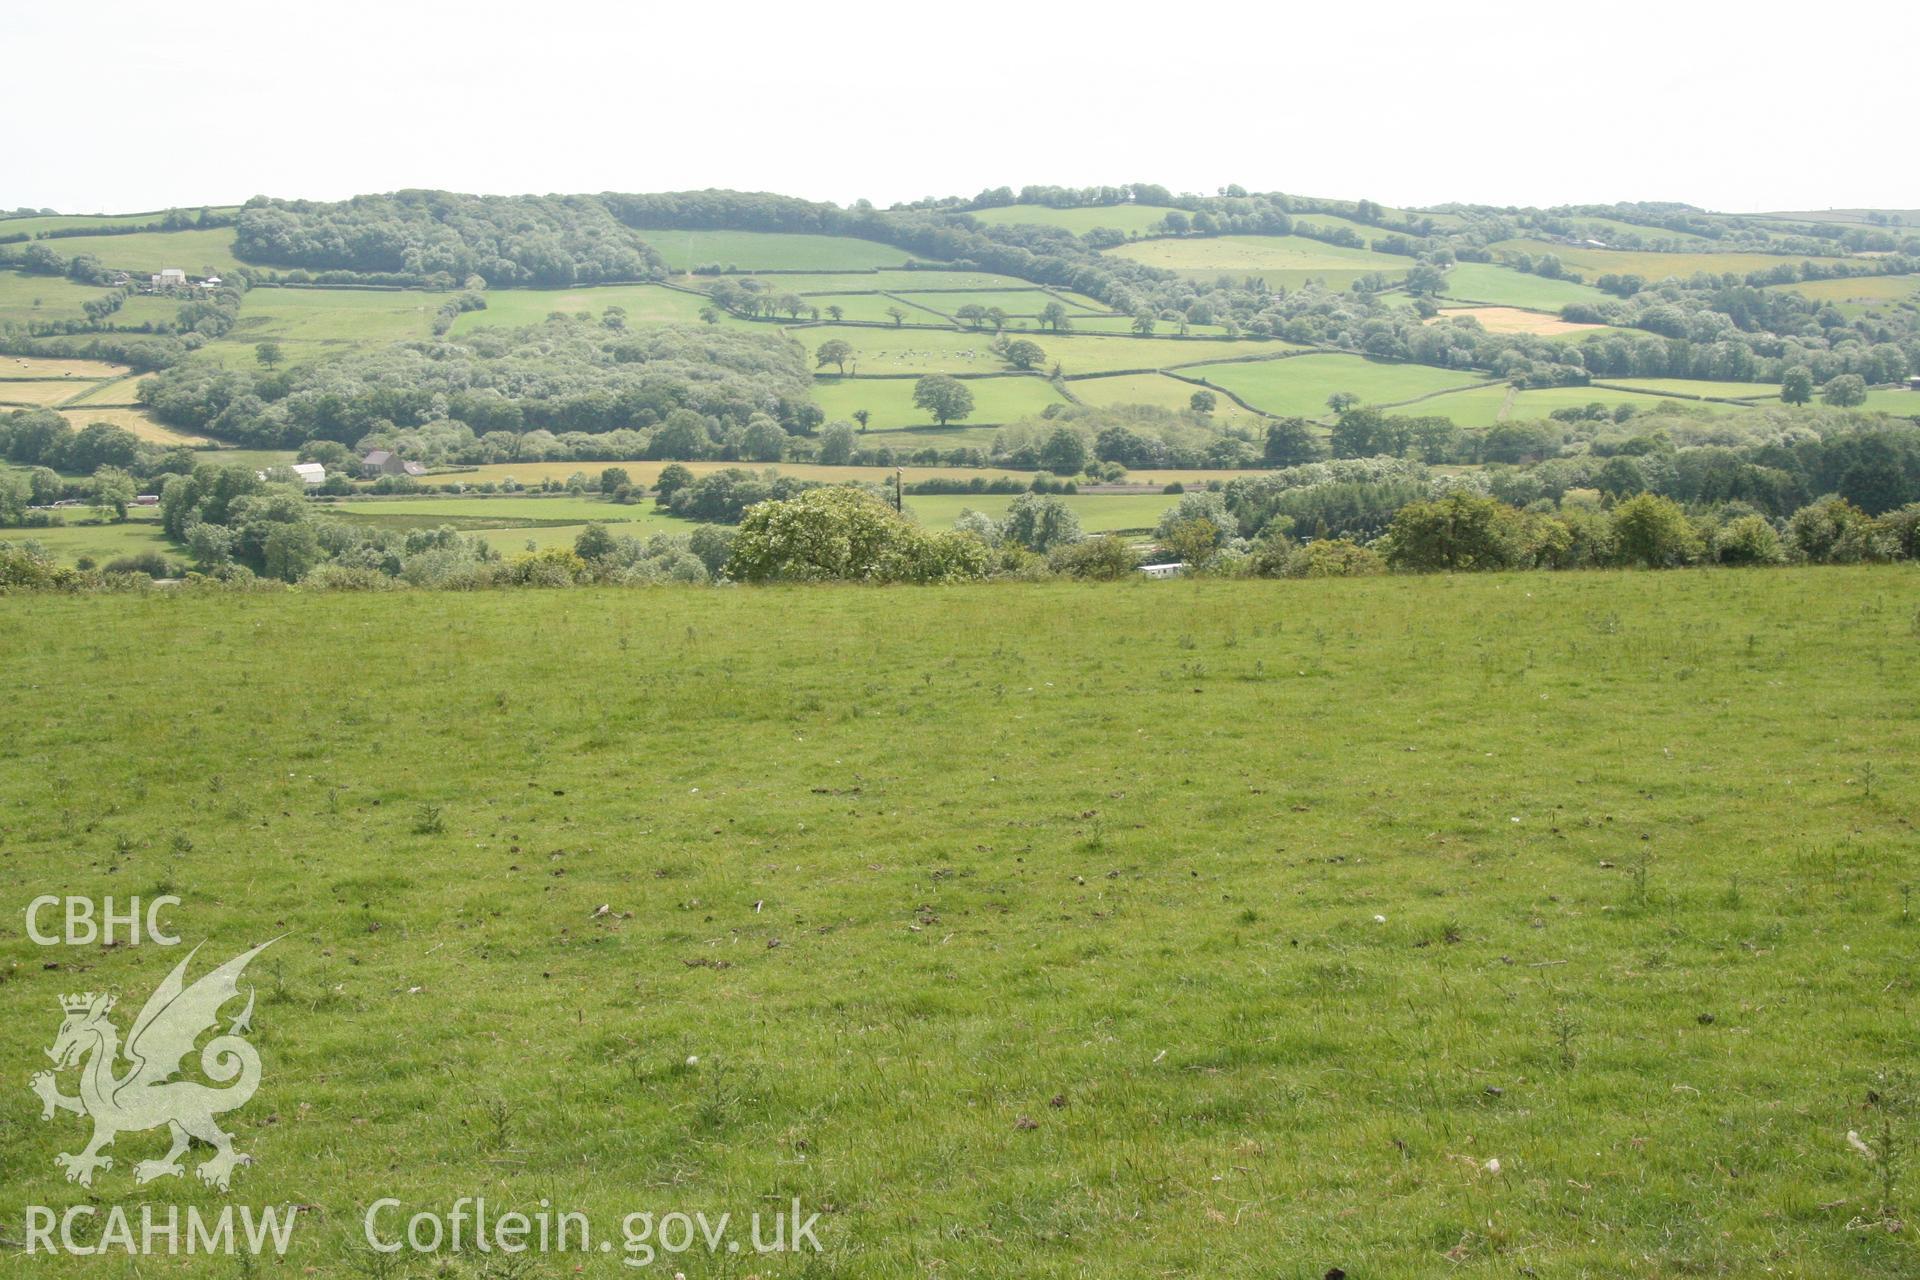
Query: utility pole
point(899, 490)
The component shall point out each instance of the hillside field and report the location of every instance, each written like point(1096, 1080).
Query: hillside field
point(1282, 261)
point(1503, 286)
point(1029, 931)
point(1299, 386)
point(1134, 219)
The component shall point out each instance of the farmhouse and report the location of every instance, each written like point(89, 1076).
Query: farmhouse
point(384, 462)
point(170, 278)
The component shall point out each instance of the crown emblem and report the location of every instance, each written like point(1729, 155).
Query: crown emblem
point(80, 1003)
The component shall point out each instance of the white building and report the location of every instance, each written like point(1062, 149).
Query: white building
point(170, 278)
point(1173, 570)
point(310, 472)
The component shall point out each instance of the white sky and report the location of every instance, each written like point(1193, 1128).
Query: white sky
point(116, 105)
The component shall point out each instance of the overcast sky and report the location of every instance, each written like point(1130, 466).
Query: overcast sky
point(113, 106)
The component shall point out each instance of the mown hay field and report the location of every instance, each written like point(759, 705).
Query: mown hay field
point(1134, 219)
point(1288, 261)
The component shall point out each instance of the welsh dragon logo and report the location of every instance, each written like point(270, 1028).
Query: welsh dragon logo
point(145, 1095)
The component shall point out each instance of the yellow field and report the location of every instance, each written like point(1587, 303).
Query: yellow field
point(53, 367)
point(40, 393)
point(110, 391)
point(134, 420)
point(1514, 320)
point(1288, 261)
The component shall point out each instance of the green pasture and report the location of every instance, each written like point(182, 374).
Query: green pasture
point(918, 281)
point(1651, 265)
point(1289, 261)
point(1541, 402)
point(1503, 286)
point(1474, 407)
point(1046, 931)
point(1299, 386)
point(1867, 290)
point(890, 400)
point(25, 298)
point(146, 310)
point(1701, 387)
point(197, 252)
point(1134, 219)
point(302, 319)
point(771, 250)
point(1156, 389)
point(873, 308)
point(36, 224)
point(80, 537)
point(644, 304)
point(1898, 401)
point(1015, 302)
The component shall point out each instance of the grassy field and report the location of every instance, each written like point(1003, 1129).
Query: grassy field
point(1064, 931)
point(1288, 261)
point(1299, 386)
point(890, 400)
point(909, 350)
point(644, 303)
point(25, 298)
point(1098, 512)
point(1653, 266)
point(1015, 302)
point(1156, 389)
point(19, 393)
point(34, 225)
point(771, 251)
point(1134, 219)
point(874, 308)
point(110, 391)
point(862, 281)
point(300, 318)
point(146, 252)
point(1905, 403)
point(1503, 286)
point(1871, 290)
point(1543, 401)
point(81, 538)
point(1702, 387)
